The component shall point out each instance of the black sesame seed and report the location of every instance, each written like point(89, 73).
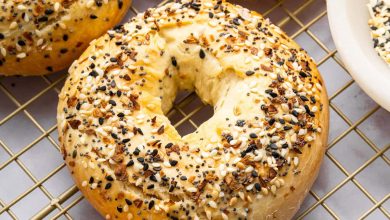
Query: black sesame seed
point(92, 16)
point(120, 4)
point(93, 73)
point(302, 74)
point(173, 162)
point(174, 62)
point(2, 36)
point(74, 154)
point(313, 99)
point(236, 21)
point(136, 151)
point(275, 154)
point(101, 88)
point(65, 37)
point(108, 186)
point(304, 98)
point(130, 163)
point(120, 209)
point(121, 115)
point(285, 145)
point(240, 123)
point(78, 106)
point(91, 180)
point(113, 59)
point(202, 54)
point(286, 128)
point(49, 11)
point(257, 186)
point(63, 50)
point(151, 204)
point(273, 95)
point(229, 138)
point(184, 178)
point(254, 174)
point(169, 145)
point(125, 140)
point(146, 167)
point(112, 102)
point(109, 178)
point(43, 19)
point(249, 73)
point(211, 15)
point(273, 146)
point(151, 186)
point(101, 121)
point(21, 43)
point(271, 121)
point(49, 68)
point(153, 178)
point(295, 113)
point(253, 135)
point(113, 135)
point(128, 202)
point(140, 159)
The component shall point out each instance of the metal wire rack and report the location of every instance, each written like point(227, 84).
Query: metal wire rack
point(354, 181)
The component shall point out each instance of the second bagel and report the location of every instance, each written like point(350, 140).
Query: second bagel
point(40, 37)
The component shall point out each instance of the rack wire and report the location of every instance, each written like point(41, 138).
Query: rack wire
point(304, 20)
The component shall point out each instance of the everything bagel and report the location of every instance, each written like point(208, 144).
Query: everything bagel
point(255, 158)
point(39, 37)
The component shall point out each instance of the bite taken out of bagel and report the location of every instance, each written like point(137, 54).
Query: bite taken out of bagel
point(40, 37)
point(255, 158)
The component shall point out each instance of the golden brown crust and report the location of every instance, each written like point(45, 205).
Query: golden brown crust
point(256, 158)
point(39, 37)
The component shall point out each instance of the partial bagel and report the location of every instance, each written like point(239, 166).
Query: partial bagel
point(39, 37)
point(255, 158)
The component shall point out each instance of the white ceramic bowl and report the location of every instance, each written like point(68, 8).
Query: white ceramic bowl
point(351, 34)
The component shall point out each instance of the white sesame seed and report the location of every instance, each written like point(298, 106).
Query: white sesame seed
point(21, 55)
point(3, 51)
point(13, 25)
point(224, 216)
point(264, 190)
point(296, 161)
point(233, 142)
point(213, 204)
point(250, 187)
point(56, 6)
point(39, 42)
point(273, 189)
point(192, 189)
point(249, 169)
point(90, 3)
point(84, 183)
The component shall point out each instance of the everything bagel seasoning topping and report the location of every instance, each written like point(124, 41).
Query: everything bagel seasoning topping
point(31, 27)
point(380, 27)
point(218, 171)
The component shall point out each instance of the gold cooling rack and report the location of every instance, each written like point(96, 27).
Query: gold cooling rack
point(354, 182)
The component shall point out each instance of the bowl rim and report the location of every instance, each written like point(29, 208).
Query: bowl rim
point(365, 66)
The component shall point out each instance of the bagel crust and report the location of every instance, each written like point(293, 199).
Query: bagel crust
point(255, 158)
point(39, 37)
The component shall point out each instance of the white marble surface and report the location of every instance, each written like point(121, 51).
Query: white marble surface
point(351, 151)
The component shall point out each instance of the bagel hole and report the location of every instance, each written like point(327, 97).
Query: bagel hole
point(188, 111)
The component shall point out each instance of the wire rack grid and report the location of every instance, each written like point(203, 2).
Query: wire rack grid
point(354, 181)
